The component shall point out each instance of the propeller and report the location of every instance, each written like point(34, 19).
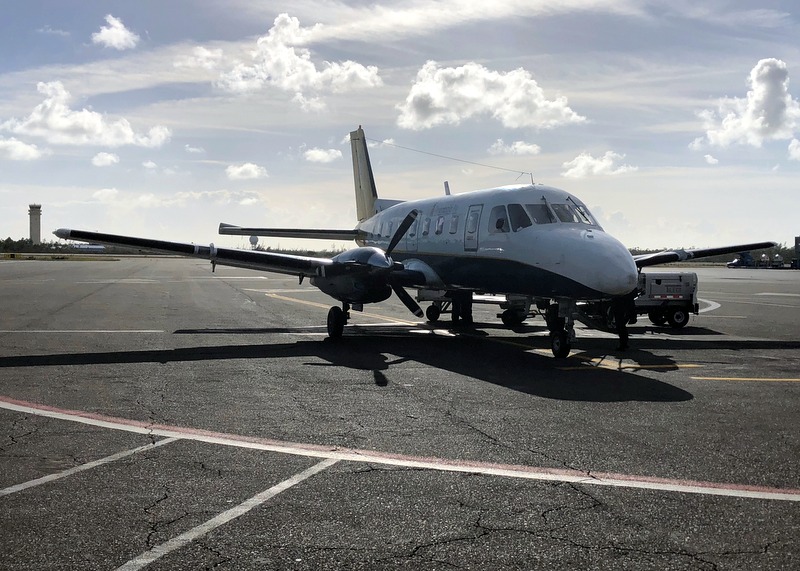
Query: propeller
point(398, 289)
point(401, 231)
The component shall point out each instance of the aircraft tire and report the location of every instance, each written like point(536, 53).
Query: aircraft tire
point(560, 345)
point(678, 318)
point(433, 313)
point(657, 317)
point(336, 320)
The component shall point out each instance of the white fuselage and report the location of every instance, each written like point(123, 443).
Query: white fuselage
point(528, 239)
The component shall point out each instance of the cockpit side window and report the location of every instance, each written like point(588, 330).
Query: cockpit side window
point(518, 216)
point(498, 220)
point(540, 214)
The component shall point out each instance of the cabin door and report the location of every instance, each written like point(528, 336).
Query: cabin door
point(471, 228)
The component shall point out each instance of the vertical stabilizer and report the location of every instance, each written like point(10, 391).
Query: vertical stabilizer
point(366, 194)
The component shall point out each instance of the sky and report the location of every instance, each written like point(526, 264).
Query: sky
point(676, 122)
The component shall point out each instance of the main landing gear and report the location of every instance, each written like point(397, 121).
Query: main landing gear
point(337, 319)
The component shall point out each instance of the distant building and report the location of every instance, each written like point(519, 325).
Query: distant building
point(35, 213)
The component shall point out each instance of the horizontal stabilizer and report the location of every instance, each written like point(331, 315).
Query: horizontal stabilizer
point(320, 234)
point(681, 255)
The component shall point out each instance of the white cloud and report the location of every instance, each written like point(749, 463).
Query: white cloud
point(132, 200)
point(106, 195)
point(53, 121)
point(585, 165)
point(47, 30)
point(245, 171)
point(16, 150)
point(194, 150)
point(115, 35)
point(392, 21)
point(316, 155)
point(711, 159)
point(309, 104)
point(105, 159)
point(515, 148)
point(149, 165)
point(768, 112)
point(200, 57)
point(794, 150)
point(451, 95)
point(279, 62)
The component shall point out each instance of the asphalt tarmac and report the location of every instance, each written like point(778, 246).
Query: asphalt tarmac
point(157, 415)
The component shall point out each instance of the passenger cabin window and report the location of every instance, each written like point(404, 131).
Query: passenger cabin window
point(540, 214)
point(426, 227)
point(518, 216)
point(439, 225)
point(454, 224)
point(498, 220)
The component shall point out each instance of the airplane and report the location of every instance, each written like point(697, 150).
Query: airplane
point(534, 244)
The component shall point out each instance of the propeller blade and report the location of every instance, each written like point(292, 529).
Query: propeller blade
point(401, 231)
point(407, 300)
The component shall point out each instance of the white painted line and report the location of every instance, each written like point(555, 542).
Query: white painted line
point(71, 331)
point(440, 464)
point(134, 281)
point(187, 537)
point(779, 294)
point(82, 467)
point(283, 290)
point(712, 305)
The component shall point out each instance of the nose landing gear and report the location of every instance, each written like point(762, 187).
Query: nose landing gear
point(561, 323)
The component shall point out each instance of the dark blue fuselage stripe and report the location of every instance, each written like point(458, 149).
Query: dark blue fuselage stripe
point(501, 276)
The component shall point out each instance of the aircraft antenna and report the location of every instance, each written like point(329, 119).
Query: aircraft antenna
point(520, 173)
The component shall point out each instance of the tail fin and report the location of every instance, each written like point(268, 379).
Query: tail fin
point(366, 193)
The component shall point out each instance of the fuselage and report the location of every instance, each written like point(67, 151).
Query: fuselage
point(530, 240)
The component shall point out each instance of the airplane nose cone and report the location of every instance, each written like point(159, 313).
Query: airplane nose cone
point(615, 271)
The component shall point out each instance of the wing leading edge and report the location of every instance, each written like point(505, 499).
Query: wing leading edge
point(250, 259)
point(667, 256)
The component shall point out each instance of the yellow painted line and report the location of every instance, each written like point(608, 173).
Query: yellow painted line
point(751, 379)
point(322, 305)
point(627, 366)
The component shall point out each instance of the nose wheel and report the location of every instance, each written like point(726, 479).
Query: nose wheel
point(560, 320)
point(337, 319)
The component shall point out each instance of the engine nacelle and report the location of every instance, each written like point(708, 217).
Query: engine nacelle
point(360, 275)
point(355, 287)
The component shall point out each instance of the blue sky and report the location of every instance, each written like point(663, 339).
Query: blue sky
point(677, 123)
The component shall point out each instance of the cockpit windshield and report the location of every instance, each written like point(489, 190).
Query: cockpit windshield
point(522, 216)
point(573, 213)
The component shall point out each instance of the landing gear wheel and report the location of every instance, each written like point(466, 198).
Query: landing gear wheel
point(611, 319)
point(678, 318)
point(336, 321)
point(559, 343)
point(657, 317)
point(512, 317)
point(433, 313)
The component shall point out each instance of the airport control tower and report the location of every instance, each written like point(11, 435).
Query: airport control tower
point(35, 213)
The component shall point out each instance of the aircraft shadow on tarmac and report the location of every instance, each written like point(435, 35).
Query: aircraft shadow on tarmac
point(380, 349)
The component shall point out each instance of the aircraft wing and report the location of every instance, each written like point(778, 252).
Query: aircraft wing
point(681, 255)
point(233, 230)
point(250, 259)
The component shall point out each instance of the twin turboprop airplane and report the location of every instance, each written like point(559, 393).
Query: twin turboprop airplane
point(534, 244)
